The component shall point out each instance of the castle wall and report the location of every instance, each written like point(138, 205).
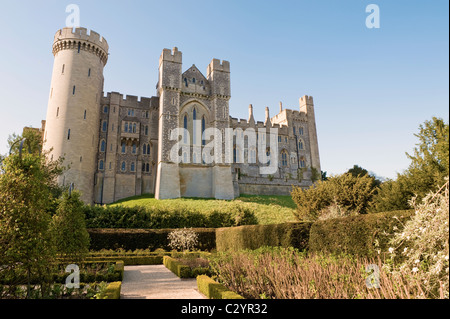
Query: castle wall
point(119, 146)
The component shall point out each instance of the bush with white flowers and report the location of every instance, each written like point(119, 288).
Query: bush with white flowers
point(421, 250)
point(183, 239)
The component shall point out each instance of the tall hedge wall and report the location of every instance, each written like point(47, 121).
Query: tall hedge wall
point(131, 239)
point(254, 236)
point(357, 235)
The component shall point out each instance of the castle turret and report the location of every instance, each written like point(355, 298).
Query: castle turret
point(169, 87)
point(251, 119)
point(307, 106)
point(267, 120)
point(73, 112)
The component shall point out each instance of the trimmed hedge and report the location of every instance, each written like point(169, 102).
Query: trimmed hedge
point(152, 239)
point(181, 270)
point(113, 290)
point(116, 275)
point(157, 218)
point(357, 235)
point(215, 290)
point(176, 267)
point(255, 236)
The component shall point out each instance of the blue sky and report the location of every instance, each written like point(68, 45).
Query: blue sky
point(372, 88)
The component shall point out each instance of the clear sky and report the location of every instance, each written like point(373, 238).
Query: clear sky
point(372, 88)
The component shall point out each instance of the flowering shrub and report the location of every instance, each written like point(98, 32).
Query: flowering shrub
point(183, 239)
point(421, 249)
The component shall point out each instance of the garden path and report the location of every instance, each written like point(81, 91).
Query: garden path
point(156, 282)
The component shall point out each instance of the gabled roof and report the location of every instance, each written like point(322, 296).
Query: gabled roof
point(194, 73)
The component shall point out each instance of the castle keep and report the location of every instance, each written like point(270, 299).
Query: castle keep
point(118, 146)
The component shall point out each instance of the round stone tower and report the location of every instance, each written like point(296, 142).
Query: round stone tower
point(73, 113)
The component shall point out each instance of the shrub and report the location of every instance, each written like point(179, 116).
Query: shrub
point(421, 249)
point(182, 271)
point(183, 239)
point(110, 291)
point(254, 236)
point(350, 193)
point(280, 273)
point(161, 218)
point(214, 290)
point(69, 229)
point(363, 235)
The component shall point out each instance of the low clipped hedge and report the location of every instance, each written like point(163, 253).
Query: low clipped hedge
point(85, 277)
point(255, 236)
point(360, 235)
point(113, 290)
point(215, 290)
point(181, 270)
point(176, 267)
point(152, 239)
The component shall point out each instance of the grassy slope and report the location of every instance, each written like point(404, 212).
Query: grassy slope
point(268, 209)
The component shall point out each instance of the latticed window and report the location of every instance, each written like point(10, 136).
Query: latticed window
point(102, 146)
point(284, 157)
point(302, 162)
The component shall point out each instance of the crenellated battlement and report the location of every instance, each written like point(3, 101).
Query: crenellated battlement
point(306, 100)
point(217, 65)
point(80, 38)
point(171, 55)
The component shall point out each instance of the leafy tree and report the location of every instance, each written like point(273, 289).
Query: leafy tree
point(25, 241)
point(345, 193)
point(359, 171)
point(68, 227)
point(430, 161)
point(427, 171)
point(26, 184)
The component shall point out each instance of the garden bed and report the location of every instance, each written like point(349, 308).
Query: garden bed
point(186, 266)
point(96, 290)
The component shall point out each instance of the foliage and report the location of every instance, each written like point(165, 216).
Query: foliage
point(131, 239)
point(255, 236)
point(55, 291)
point(358, 171)
point(349, 193)
point(315, 175)
point(421, 248)
point(361, 235)
point(427, 171)
point(27, 182)
point(183, 239)
point(286, 273)
point(122, 216)
point(430, 161)
point(214, 290)
point(69, 229)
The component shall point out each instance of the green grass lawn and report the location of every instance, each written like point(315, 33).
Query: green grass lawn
point(268, 209)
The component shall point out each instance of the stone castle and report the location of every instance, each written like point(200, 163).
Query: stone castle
point(118, 146)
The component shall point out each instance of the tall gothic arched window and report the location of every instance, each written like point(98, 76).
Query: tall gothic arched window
point(203, 130)
point(103, 146)
point(185, 126)
point(284, 157)
point(194, 135)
